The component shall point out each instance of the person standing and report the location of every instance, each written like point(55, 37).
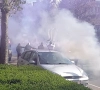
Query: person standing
point(19, 50)
point(9, 50)
point(41, 46)
point(51, 46)
point(28, 47)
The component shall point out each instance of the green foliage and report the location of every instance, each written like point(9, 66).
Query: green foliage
point(33, 78)
point(12, 5)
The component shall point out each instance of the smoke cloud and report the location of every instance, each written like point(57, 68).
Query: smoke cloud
point(75, 38)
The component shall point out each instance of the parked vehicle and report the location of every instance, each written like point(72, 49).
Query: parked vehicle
point(55, 62)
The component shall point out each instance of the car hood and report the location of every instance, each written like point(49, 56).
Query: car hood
point(64, 70)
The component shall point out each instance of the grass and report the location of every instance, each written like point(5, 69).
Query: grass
point(33, 78)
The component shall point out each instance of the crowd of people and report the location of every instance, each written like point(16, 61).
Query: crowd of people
point(19, 48)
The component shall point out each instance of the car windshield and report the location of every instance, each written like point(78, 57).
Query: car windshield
point(53, 58)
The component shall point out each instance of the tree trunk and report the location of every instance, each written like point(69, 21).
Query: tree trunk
point(4, 37)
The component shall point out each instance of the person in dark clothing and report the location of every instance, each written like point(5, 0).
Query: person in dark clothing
point(41, 46)
point(28, 47)
point(19, 50)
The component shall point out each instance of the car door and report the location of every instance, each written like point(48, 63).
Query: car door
point(20, 60)
point(33, 58)
point(26, 58)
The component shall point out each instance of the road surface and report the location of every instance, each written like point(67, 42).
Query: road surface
point(13, 61)
point(94, 80)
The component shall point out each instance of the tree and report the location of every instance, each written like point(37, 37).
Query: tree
point(80, 8)
point(8, 7)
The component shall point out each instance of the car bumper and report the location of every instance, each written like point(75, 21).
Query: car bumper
point(83, 82)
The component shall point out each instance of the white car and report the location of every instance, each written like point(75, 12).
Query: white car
point(55, 62)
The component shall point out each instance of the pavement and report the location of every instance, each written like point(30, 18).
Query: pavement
point(13, 61)
point(94, 80)
point(93, 87)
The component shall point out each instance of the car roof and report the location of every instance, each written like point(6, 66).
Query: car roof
point(42, 50)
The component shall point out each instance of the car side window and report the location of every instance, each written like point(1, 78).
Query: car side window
point(33, 57)
point(27, 56)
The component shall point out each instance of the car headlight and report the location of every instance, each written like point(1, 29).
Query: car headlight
point(83, 73)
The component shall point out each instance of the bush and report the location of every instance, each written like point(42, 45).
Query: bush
point(33, 78)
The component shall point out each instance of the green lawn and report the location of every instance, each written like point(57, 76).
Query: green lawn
point(33, 78)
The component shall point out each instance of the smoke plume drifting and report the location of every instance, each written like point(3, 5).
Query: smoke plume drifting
point(75, 38)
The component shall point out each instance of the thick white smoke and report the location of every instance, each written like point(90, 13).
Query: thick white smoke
point(75, 38)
